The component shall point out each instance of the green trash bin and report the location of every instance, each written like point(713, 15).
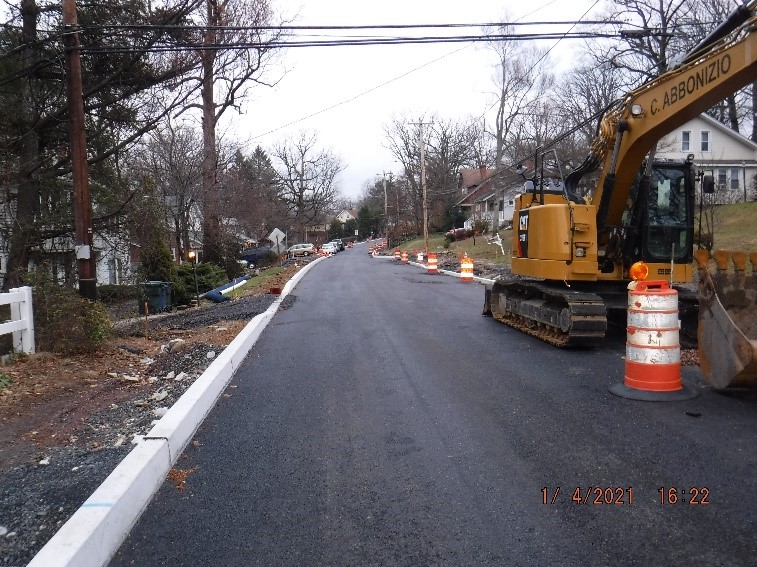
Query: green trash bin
point(157, 296)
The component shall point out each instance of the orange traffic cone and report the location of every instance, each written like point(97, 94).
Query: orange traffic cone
point(466, 269)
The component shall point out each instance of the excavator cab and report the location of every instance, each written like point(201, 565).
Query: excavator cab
point(658, 225)
point(670, 217)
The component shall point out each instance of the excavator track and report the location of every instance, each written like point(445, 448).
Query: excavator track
point(560, 316)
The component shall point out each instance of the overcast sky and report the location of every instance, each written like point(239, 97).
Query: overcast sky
point(353, 92)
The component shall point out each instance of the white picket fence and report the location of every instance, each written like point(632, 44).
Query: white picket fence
point(21, 323)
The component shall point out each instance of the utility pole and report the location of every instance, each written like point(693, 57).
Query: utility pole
point(386, 218)
point(422, 146)
point(85, 258)
point(384, 183)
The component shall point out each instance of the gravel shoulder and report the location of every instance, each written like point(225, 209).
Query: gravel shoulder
point(66, 422)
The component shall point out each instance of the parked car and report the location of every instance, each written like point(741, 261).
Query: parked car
point(253, 256)
point(306, 249)
point(339, 244)
point(459, 233)
point(329, 248)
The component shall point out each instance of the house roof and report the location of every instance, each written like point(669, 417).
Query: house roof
point(728, 131)
point(486, 195)
point(350, 212)
point(470, 177)
point(476, 194)
point(473, 183)
point(483, 191)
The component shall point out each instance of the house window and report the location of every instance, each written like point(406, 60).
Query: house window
point(685, 141)
point(722, 179)
point(734, 179)
point(705, 141)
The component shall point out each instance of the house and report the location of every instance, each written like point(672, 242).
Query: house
point(474, 184)
point(718, 151)
point(488, 194)
point(110, 248)
point(346, 215)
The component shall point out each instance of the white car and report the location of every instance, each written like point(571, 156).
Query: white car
point(329, 248)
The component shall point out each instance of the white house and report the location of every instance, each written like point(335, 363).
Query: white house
point(346, 215)
point(718, 151)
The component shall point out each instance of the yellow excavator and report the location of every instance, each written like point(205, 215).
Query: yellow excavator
point(572, 254)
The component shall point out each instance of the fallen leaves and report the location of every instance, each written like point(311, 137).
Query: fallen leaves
point(179, 477)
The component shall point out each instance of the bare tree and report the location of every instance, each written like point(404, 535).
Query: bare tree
point(172, 158)
point(654, 39)
point(449, 146)
point(402, 142)
point(586, 92)
point(452, 145)
point(521, 80)
point(307, 178)
point(235, 49)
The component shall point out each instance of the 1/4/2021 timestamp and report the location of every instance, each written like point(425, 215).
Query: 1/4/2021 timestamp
point(695, 495)
point(595, 495)
point(592, 495)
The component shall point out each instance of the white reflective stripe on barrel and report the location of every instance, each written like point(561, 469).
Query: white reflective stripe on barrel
point(653, 302)
point(653, 320)
point(652, 337)
point(650, 355)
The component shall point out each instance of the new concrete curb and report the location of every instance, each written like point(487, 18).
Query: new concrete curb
point(448, 272)
point(97, 529)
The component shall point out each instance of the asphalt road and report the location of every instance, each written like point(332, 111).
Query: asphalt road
point(381, 420)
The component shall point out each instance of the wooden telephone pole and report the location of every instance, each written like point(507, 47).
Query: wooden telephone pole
point(85, 259)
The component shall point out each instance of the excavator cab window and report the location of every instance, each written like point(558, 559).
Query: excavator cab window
point(669, 215)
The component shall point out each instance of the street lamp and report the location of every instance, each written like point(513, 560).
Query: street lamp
point(192, 256)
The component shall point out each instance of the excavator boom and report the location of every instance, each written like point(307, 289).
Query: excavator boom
point(663, 104)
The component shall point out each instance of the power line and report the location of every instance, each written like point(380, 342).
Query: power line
point(363, 93)
point(349, 42)
point(203, 29)
point(346, 101)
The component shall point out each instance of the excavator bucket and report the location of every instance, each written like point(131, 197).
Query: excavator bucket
point(727, 332)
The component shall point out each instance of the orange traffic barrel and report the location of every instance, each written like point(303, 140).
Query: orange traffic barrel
point(419, 255)
point(653, 350)
point(397, 254)
point(432, 265)
point(466, 269)
point(404, 257)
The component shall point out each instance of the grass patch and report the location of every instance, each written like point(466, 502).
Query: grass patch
point(735, 226)
point(256, 283)
point(5, 381)
point(478, 251)
point(734, 230)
